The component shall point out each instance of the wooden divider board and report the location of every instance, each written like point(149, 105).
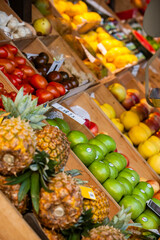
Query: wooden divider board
point(103, 95)
point(105, 125)
point(12, 225)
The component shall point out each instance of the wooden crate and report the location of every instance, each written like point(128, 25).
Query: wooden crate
point(8, 10)
point(105, 125)
point(8, 86)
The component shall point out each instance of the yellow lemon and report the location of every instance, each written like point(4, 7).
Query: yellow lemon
point(129, 119)
point(137, 135)
point(103, 36)
point(147, 149)
point(154, 162)
point(100, 30)
point(106, 111)
point(146, 128)
point(126, 136)
point(94, 45)
point(110, 66)
point(118, 124)
point(155, 140)
point(110, 109)
point(65, 16)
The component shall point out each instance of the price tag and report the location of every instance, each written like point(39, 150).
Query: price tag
point(154, 207)
point(102, 48)
point(31, 55)
point(69, 113)
point(135, 70)
point(89, 55)
point(87, 192)
point(56, 65)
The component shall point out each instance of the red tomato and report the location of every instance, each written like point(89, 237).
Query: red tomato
point(12, 80)
point(18, 72)
point(16, 78)
point(12, 95)
point(53, 90)
point(38, 81)
point(20, 60)
point(7, 65)
point(10, 54)
point(59, 86)
point(3, 53)
point(11, 48)
point(14, 63)
point(34, 97)
point(29, 71)
point(44, 96)
point(27, 88)
point(2, 69)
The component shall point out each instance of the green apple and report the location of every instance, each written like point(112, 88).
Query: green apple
point(117, 160)
point(100, 170)
point(99, 144)
point(108, 141)
point(127, 185)
point(112, 168)
point(114, 188)
point(134, 173)
point(147, 188)
point(140, 192)
point(136, 207)
point(128, 176)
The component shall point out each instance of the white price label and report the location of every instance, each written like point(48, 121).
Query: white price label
point(102, 48)
point(89, 55)
point(135, 70)
point(69, 113)
point(92, 196)
point(56, 65)
point(31, 55)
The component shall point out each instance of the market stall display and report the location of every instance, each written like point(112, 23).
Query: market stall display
point(79, 146)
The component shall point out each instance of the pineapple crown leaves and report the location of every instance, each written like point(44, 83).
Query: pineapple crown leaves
point(34, 177)
point(26, 108)
point(121, 221)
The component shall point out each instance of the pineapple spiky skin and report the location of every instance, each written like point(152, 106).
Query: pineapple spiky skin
point(11, 192)
point(52, 235)
point(100, 206)
point(54, 142)
point(17, 145)
point(105, 233)
point(61, 208)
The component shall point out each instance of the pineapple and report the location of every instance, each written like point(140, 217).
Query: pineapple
point(52, 235)
point(17, 138)
point(11, 191)
point(53, 141)
point(114, 230)
point(61, 208)
point(17, 145)
point(100, 206)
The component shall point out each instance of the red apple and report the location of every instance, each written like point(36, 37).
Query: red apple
point(134, 97)
point(135, 91)
point(87, 122)
point(155, 185)
point(141, 110)
point(152, 124)
point(149, 107)
point(93, 128)
point(157, 134)
point(157, 195)
point(126, 159)
point(128, 102)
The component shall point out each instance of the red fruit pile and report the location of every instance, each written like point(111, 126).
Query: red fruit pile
point(92, 126)
point(3, 91)
point(22, 75)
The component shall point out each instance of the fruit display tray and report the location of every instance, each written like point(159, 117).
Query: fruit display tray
point(84, 101)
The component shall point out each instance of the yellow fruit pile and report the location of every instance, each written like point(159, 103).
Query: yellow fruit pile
point(116, 54)
point(76, 13)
